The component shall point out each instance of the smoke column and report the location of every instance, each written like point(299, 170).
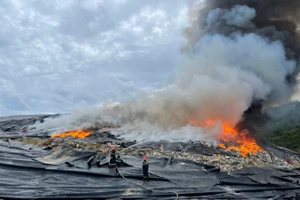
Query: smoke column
point(275, 20)
point(238, 52)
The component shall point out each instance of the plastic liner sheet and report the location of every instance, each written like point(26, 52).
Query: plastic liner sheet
point(33, 173)
point(16, 126)
point(279, 152)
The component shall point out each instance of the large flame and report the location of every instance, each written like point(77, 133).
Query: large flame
point(231, 139)
point(75, 134)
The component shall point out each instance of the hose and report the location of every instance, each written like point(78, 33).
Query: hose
point(135, 183)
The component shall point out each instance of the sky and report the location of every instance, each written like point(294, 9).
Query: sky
point(62, 55)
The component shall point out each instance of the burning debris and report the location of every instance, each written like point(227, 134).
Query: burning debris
point(235, 150)
point(228, 158)
point(232, 139)
point(226, 162)
point(245, 144)
point(75, 134)
point(199, 163)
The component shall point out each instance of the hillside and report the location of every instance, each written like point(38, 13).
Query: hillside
point(284, 126)
point(288, 139)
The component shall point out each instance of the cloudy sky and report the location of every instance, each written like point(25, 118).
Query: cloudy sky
point(61, 55)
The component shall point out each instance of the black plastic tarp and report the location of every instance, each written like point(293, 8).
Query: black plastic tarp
point(30, 172)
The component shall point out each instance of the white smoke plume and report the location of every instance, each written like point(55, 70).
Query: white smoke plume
point(218, 81)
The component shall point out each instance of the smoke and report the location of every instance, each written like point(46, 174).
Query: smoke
point(238, 52)
point(273, 20)
point(239, 16)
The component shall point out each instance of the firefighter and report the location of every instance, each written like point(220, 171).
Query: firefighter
point(118, 163)
point(90, 161)
point(145, 168)
point(112, 161)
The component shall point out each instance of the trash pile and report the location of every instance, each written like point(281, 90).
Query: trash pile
point(72, 168)
point(101, 140)
point(226, 161)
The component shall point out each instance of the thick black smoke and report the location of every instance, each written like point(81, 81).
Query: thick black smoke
point(275, 20)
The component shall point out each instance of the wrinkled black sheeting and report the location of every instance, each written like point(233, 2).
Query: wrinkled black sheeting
point(23, 176)
point(279, 152)
point(12, 124)
point(181, 172)
point(16, 126)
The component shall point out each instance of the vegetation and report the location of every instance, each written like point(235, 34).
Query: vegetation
point(284, 126)
point(288, 139)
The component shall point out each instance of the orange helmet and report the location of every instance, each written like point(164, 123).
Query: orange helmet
point(145, 158)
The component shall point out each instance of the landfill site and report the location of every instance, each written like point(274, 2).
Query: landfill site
point(35, 165)
point(131, 99)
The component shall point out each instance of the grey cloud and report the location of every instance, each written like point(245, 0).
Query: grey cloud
point(56, 56)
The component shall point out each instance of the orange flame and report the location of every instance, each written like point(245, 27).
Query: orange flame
point(222, 146)
point(75, 134)
point(243, 142)
point(247, 144)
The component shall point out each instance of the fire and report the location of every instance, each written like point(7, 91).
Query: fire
point(75, 134)
point(239, 141)
point(222, 146)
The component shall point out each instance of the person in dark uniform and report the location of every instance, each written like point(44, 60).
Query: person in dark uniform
point(118, 163)
point(112, 161)
point(145, 168)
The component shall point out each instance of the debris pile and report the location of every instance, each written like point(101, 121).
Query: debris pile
point(101, 140)
point(227, 161)
point(224, 162)
point(192, 169)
